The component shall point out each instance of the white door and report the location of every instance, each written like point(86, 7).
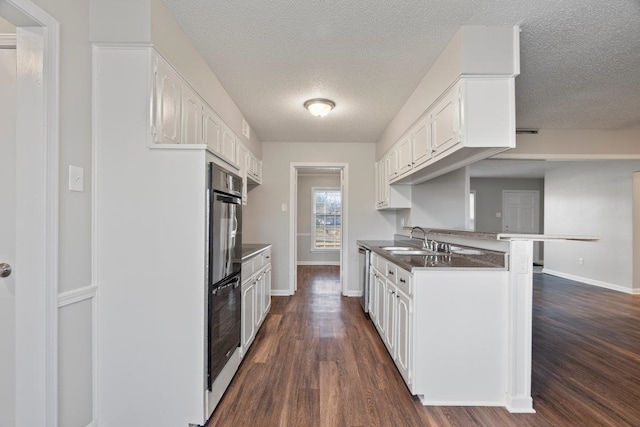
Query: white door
point(521, 214)
point(520, 211)
point(7, 233)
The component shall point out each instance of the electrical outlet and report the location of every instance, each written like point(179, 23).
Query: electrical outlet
point(580, 261)
point(401, 222)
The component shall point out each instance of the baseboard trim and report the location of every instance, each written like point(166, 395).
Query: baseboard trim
point(93, 423)
point(356, 294)
point(319, 263)
point(280, 293)
point(592, 282)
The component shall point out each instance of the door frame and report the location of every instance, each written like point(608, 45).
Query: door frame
point(293, 220)
point(36, 265)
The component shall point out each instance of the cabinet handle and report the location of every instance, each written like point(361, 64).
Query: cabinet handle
point(397, 296)
point(391, 272)
point(403, 281)
point(268, 257)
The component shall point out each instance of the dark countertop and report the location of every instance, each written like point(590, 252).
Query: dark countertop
point(252, 249)
point(493, 260)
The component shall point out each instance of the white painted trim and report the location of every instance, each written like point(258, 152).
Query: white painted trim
point(458, 403)
point(304, 234)
point(318, 262)
point(36, 307)
point(76, 295)
point(354, 294)
point(7, 41)
point(592, 282)
point(93, 423)
point(281, 292)
point(293, 194)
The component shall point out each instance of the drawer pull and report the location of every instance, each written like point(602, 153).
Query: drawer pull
point(403, 281)
point(391, 272)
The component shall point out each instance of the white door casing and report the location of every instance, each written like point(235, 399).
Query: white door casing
point(36, 212)
point(7, 233)
point(293, 219)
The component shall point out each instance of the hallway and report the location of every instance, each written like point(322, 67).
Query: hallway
point(318, 361)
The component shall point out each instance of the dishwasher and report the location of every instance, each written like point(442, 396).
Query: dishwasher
point(364, 257)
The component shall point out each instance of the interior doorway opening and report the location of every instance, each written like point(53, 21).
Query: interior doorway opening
point(318, 218)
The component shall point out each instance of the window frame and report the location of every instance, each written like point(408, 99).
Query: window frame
point(313, 245)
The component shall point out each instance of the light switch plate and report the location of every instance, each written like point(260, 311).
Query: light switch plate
point(76, 178)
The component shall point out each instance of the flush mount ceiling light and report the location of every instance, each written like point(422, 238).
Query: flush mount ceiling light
point(319, 107)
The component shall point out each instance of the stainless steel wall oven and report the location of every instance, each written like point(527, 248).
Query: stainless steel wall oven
point(223, 264)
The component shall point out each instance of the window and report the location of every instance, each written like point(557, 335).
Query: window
point(327, 217)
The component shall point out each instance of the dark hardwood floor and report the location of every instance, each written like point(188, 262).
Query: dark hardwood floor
point(318, 361)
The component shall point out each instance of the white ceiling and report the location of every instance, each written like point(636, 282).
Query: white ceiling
point(580, 59)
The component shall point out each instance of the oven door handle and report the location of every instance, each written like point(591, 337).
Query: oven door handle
point(235, 282)
point(227, 199)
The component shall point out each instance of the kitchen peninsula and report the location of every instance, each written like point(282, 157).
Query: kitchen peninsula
point(457, 322)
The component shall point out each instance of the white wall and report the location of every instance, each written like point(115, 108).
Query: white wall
point(576, 144)
point(591, 198)
point(439, 203)
point(265, 222)
point(6, 27)
point(305, 227)
point(74, 263)
point(489, 199)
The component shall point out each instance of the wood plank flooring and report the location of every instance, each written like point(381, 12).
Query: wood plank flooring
point(318, 361)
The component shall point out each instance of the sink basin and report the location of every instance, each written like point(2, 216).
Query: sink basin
point(412, 252)
point(465, 251)
point(399, 248)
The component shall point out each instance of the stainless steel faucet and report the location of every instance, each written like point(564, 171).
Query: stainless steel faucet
point(424, 233)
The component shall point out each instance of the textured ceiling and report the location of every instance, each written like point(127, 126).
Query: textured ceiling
point(580, 59)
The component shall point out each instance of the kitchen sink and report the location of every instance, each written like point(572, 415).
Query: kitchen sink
point(465, 251)
point(412, 252)
point(399, 248)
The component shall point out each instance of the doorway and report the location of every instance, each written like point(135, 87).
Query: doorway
point(521, 214)
point(30, 214)
point(315, 222)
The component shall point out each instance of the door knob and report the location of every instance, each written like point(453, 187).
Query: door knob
point(5, 269)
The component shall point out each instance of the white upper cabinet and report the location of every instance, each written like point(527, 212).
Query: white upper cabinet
point(191, 116)
point(392, 164)
point(167, 102)
point(446, 123)
point(405, 162)
point(211, 130)
point(242, 156)
point(254, 169)
point(422, 145)
point(229, 142)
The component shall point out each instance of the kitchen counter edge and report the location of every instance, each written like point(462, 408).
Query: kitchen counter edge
point(249, 250)
point(374, 246)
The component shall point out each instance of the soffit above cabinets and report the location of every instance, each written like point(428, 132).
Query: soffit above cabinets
point(579, 59)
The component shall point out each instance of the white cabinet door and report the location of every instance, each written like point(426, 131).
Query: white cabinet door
point(392, 165)
point(446, 123)
point(390, 319)
point(421, 135)
point(243, 157)
point(211, 130)
point(191, 116)
point(403, 342)
point(248, 314)
point(373, 306)
point(381, 298)
point(259, 299)
point(167, 102)
point(266, 304)
point(229, 146)
point(404, 155)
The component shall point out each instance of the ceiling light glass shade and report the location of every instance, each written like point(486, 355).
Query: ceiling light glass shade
point(319, 107)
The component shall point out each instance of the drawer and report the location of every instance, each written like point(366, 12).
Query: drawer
point(404, 281)
point(391, 271)
point(266, 257)
point(247, 269)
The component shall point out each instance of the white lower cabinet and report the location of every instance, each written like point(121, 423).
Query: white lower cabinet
point(248, 314)
point(256, 295)
point(390, 310)
point(445, 330)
